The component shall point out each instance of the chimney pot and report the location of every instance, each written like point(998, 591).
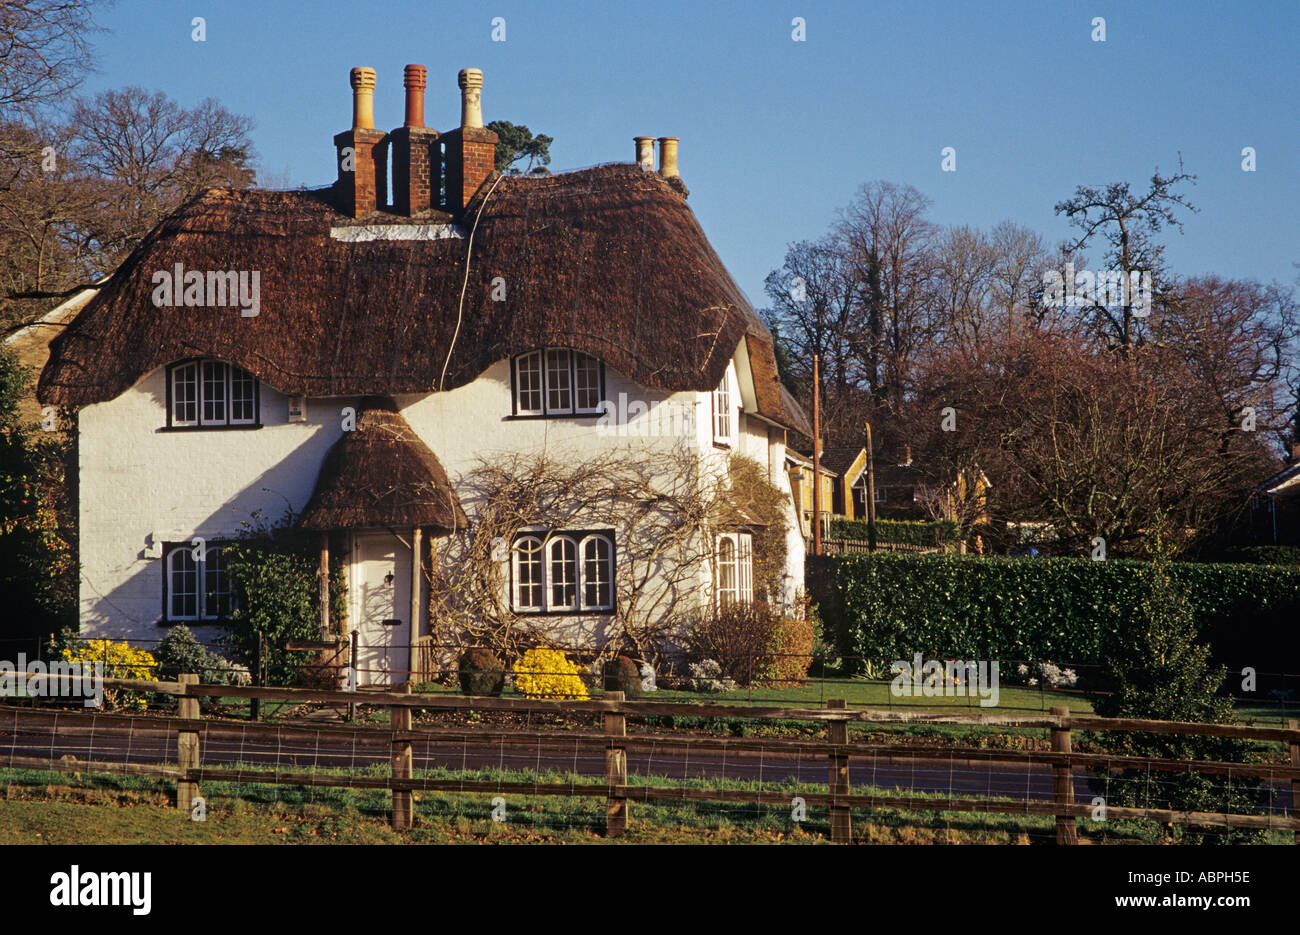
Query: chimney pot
point(415, 80)
point(363, 98)
point(471, 94)
point(645, 152)
point(668, 157)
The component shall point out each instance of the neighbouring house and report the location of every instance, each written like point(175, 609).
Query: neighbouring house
point(355, 358)
point(1275, 506)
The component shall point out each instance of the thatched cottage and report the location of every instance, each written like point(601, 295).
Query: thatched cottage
point(352, 355)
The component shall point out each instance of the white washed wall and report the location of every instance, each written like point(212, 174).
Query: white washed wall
point(139, 484)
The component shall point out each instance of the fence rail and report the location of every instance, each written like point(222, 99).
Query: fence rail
point(190, 730)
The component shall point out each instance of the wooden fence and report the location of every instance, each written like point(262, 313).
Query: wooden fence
point(836, 748)
point(844, 546)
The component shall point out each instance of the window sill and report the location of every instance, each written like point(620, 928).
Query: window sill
point(725, 446)
point(607, 612)
point(208, 428)
point(548, 415)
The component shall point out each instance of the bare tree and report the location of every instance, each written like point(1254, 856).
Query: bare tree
point(1128, 224)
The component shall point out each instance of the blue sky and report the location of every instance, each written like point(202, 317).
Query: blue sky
point(776, 135)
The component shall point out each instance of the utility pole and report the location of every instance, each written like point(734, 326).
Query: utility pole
point(817, 457)
point(871, 493)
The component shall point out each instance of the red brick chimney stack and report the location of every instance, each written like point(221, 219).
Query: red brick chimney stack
point(362, 152)
point(470, 149)
point(417, 163)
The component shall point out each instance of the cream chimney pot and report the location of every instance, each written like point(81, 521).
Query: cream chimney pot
point(668, 157)
point(363, 98)
point(645, 152)
point(471, 94)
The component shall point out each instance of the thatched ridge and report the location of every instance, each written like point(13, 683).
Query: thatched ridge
point(382, 474)
point(608, 260)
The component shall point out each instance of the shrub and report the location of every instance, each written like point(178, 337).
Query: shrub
point(792, 649)
point(548, 673)
point(621, 674)
point(481, 672)
point(121, 661)
point(1070, 610)
point(181, 652)
point(706, 676)
point(739, 637)
point(902, 531)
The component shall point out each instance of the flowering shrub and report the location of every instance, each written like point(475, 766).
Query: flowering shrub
point(548, 673)
point(121, 661)
point(706, 676)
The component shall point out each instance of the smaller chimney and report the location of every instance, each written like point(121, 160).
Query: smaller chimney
point(907, 456)
point(645, 152)
point(415, 80)
point(417, 161)
point(668, 157)
point(469, 151)
point(362, 152)
point(471, 97)
point(363, 98)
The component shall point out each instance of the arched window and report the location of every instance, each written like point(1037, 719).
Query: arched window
point(734, 563)
point(528, 575)
point(210, 394)
point(558, 381)
point(196, 588)
point(597, 573)
point(562, 572)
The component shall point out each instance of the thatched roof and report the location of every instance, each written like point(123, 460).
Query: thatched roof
point(609, 260)
point(382, 474)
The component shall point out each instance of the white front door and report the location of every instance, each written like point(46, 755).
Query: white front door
point(380, 595)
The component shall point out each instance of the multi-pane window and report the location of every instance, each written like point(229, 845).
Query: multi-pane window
point(734, 568)
point(528, 575)
point(722, 411)
point(196, 583)
point(205, 393)
point(562, 572)
point(557, 381)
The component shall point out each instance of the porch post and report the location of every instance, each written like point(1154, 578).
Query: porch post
point(417, 567)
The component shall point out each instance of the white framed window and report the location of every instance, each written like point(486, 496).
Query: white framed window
point(597, 573)
point(558, 381)
point(722, 415)
point(196, 588)
point(562, 572)
point(528, 575)
point(528, 384)
point(586, 383)
point(210, 394)
point(734, 568)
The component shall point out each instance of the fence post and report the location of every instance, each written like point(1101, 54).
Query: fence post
point(1294, 724)
point(255, 704)
point(1067, 830)
point(403, 762)
point(837, 732)
point(356, 676)
point(187, 746)
point(616, 807)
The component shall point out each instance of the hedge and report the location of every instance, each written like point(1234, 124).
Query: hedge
point(907, 532)
point(887, 606)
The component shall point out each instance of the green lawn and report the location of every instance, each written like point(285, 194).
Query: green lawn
point(37, 807)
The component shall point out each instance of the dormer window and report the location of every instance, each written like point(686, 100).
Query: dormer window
point(557, 381)
point(207, 394)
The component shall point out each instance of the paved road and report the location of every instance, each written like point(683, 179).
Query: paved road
point(299, 752)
